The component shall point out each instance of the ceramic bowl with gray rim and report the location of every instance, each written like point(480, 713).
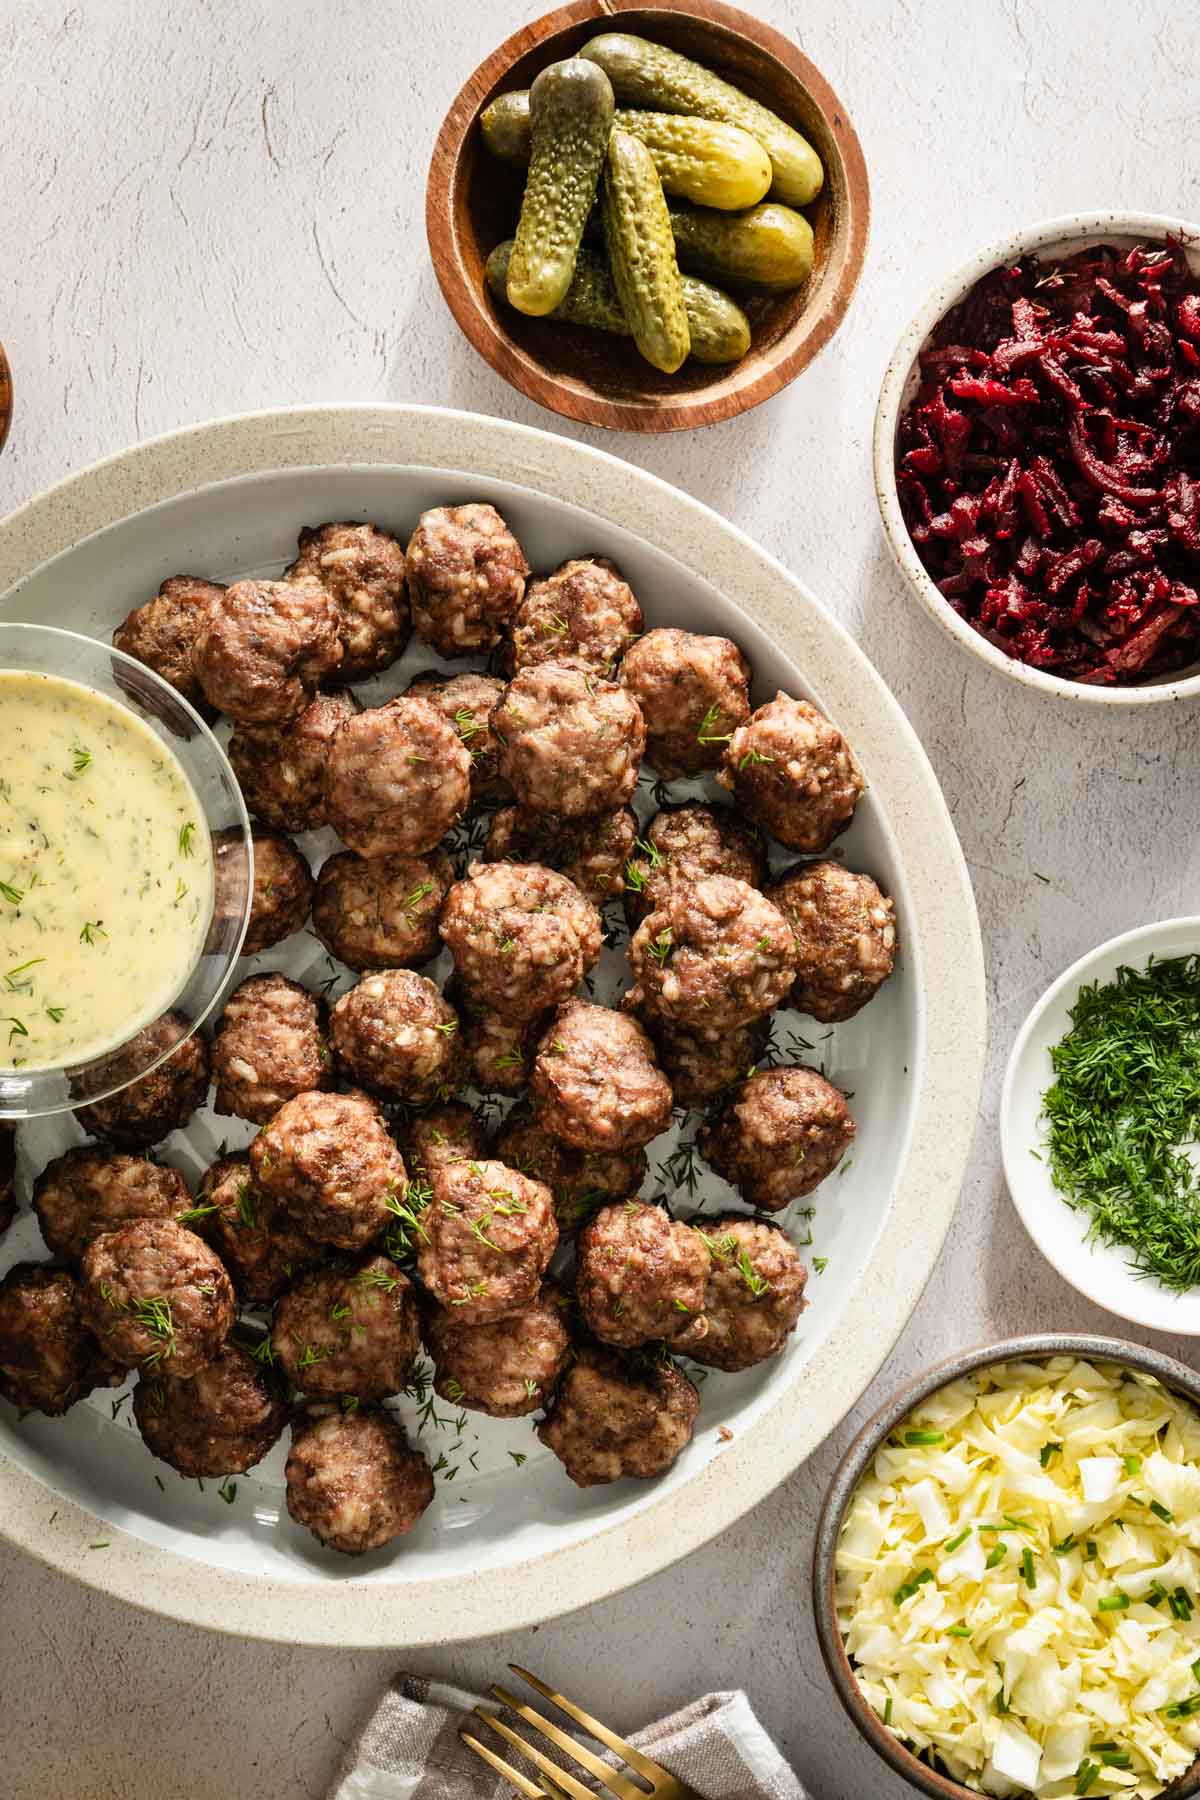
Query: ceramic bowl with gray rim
point(1049, 237)
point(854, 1465)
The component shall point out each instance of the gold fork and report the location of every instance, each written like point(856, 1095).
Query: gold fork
point(558, 1783)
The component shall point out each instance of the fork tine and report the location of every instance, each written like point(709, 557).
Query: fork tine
point(651, 1770)
point(521, 1782)
point(616, 1783)
point(575, 1789)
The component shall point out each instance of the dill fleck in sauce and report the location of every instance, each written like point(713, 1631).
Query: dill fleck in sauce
point(105, 873)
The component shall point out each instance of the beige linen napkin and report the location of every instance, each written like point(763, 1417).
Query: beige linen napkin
point(410, 1750)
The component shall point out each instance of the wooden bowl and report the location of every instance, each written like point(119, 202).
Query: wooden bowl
point(6, 396)
point(472, 202)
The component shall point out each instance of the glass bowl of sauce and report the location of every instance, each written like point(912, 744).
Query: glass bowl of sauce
point(126, 870)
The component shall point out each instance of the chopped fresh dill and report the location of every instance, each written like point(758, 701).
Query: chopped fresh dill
point(186, 834)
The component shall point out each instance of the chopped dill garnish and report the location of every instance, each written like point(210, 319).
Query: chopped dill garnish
point(228, 1490)
point(706, 734)
point(186, 834)
point(13, 895)
point(92, 929)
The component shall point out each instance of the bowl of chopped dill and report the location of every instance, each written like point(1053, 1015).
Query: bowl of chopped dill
point(1099, 1121)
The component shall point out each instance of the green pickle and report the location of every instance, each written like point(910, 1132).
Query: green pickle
point(571, 108)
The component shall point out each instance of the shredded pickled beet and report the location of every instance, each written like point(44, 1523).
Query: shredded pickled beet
point(1049, 463)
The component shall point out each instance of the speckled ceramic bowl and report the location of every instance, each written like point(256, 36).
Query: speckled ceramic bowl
point(1051, 237)
point(854, 1465)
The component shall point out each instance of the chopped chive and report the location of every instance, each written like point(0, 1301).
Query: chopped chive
point(1160, 1512)
point(907, 1589)
point(956, 1541)
point(962, 1631)
point(1112, 1602)
point(1066, 1544)
point(1089, 1550)
point(996, 1556)
point(1132, 1464)
point(887, 1711)
point(1027, 1573)
point(1046, 1452)
point(924, 1437)
point(1088, 1772)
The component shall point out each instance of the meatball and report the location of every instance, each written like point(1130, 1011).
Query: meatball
point(283, 891)
point(163, 632)
point(87, 1191)
point(489, 1237)
point(686, 843)
point(522, 937)
point(445, 1134)
point(466, 701)
point(269, 1045)
point(693, 691)
point(154, 1105)
point(264, 647)
point(580, 1180)
point(348, 1331)
point(754, 1294)
point(466, 578)
point(8, 1177)
point(48, 1357)
point(154, 1294)
point(711, 957)
point(640, 1275)
point(220, 1421)
point(590, 852)
point(613, 1418)
point(393, 1032)
point(700, 1068)
point(595, 1080)
point(782, 1133)
point(381, 912)
point(584, 613)
point(499, 1051)
point(794, 773)
point(329, 1162)
point(507, 1368)
point(281, 768)
point(353, 1480)
point(261, 1247)
point(397, 778)
point(570, 742)
point(845, 933)
point(363, 569)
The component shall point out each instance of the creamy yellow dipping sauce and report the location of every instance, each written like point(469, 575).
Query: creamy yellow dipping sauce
point(106, 887)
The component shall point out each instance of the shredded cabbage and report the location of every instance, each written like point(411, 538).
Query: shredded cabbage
point(1018, 1581)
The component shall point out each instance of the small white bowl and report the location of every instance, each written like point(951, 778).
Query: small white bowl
point(1103, 1272)
point(1052, 237)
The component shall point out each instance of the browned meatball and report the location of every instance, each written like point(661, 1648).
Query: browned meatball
point(154, 1294)
point(693, 691)
point(445, 1134)
point(260, 1245)
point(397, 778)
point(754, 1294)
point(522, 937)
point(163, 632)
point(596, 1083)
point(570, 742)
point(283, 891)
point(700, 1068)
point(640, 1275)
point(264, 647)
point(363, 569)
point(154, 1105)
point(220, 1421)
point(466, 578)
point(353, 1480)
point(712, 957)
point(499, 1051)
point(269, 1045)
point(580, 1180)
point(48, 1357)
point(584, 613)
point(381, 912)
point(782, 1133)
point(87, 1191)
point(686, 843)
point(489, 1237)
point(393, 1032)
point(281, 768)
point(466, 702)
point(590, 852)
point(507, 1368)
point(845, 932)
point(613, 1418)
point(794, 773)
point(348, 1331)
point(329, 1162)
point(8, 1175)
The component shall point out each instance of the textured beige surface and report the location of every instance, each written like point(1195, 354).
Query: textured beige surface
point(227, 213)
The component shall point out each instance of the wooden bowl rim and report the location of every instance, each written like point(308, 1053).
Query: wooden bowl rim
point(730, 393)
point(6, 396)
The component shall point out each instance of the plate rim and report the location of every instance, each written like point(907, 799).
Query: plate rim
point(947, 1068)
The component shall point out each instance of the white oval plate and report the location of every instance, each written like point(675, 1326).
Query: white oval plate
point(506, 1546)
point(1101, 1271)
